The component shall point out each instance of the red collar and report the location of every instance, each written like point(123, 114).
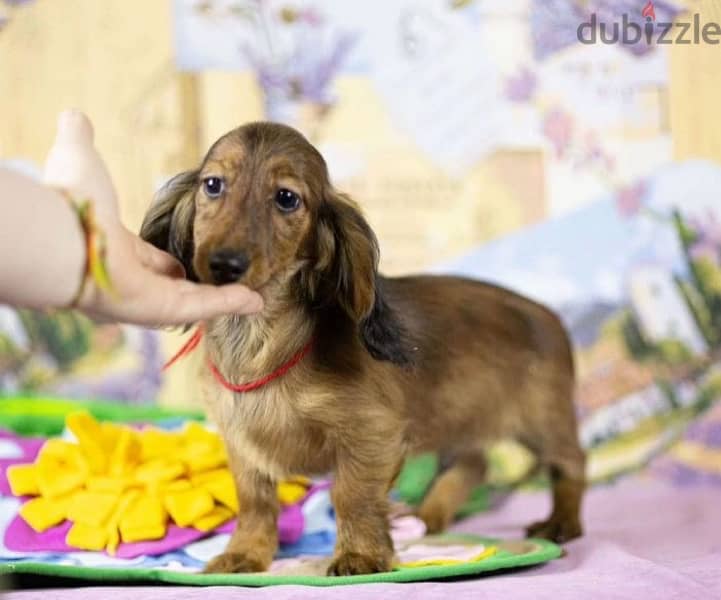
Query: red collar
point(193, 342)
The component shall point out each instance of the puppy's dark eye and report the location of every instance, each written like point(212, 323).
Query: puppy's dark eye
point(213, 186)
point(286, 200)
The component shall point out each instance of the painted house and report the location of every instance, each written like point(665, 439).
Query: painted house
point(623, 416)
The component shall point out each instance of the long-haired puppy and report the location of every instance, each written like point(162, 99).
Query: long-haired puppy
point(392, 366)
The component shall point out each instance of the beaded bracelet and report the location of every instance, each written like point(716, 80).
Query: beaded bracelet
point(95, 248)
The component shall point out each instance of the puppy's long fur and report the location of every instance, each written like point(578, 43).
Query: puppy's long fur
point(397, 366)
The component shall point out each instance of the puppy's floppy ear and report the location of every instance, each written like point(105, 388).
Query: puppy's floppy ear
point(346, 274)
point(347, 258)
point(168, 224)
point(383, 334)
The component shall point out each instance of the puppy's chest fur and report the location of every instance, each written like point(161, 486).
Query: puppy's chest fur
point(269, 433)
point(271, 428)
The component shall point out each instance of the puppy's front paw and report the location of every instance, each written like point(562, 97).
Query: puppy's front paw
point(353, 563)
point(233, 562)
point(556, 529)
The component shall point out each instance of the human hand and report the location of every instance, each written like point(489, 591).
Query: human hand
point(149, 288)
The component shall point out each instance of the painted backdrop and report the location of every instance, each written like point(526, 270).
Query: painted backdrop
point(479, 136)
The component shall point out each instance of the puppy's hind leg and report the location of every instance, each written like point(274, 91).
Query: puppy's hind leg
point(451, 489)
point(566, 465)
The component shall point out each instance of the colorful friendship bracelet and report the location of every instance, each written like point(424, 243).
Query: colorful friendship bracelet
point(95, 248)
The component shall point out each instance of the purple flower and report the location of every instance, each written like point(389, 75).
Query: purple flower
point(703, 249)
point(629, 199)
point(309, 15)
point(312, 17)
point(521, 86)
point(683, 475)
point(3, 19)
point(708, 237)
point(707, 432)
point(558, 127)
point(554, 24)
point(709, 228)
point(307, 74)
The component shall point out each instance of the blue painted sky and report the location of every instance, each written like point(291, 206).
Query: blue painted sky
point(588, 254)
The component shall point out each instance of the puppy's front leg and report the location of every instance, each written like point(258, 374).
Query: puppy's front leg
point(255, 539)
point(360, 499)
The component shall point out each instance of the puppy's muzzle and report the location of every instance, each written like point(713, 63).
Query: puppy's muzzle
point(227, 266)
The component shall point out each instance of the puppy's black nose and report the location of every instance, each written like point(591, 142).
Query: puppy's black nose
point(227, 266)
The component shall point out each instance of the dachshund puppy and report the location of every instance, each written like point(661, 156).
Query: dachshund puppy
point(354, 371)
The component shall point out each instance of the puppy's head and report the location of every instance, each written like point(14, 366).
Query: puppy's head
point(261, 211)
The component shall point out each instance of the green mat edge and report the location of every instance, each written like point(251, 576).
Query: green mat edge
point(44, 414)
point(503, 560)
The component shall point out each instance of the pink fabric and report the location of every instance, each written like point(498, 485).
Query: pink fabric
point(19, 537)
point(645, 539)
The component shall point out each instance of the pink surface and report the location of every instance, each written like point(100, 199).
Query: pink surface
point(645, 539)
